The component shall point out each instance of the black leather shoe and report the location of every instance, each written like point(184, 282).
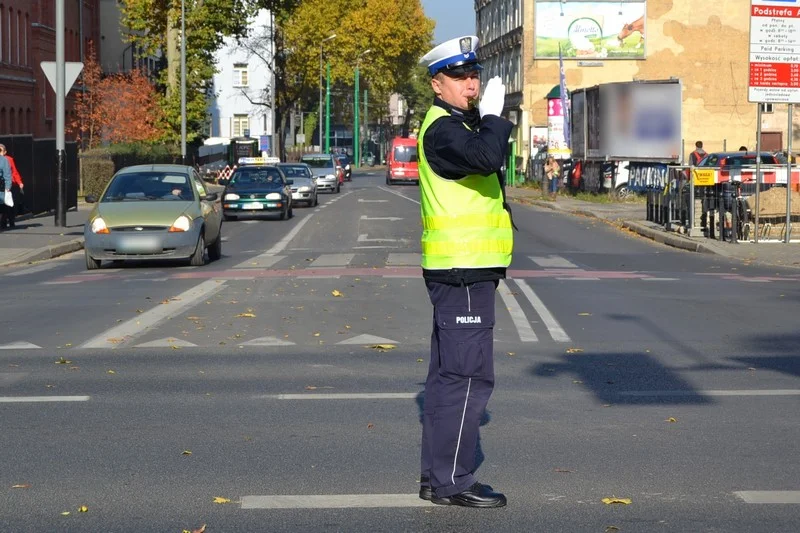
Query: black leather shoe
point(480, 496)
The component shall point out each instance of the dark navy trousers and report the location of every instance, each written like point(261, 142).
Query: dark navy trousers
point(460, 381)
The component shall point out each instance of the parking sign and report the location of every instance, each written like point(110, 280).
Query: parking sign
point(774, 51)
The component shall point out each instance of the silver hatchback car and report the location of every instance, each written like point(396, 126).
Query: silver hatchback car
point(324, 168)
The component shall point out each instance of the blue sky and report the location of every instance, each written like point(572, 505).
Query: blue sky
point(454, 18)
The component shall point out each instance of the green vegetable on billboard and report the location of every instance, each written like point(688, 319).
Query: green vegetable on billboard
point(590, 30)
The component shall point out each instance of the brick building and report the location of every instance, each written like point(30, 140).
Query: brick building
point(27, 37)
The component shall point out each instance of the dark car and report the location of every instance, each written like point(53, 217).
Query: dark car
point(256, 190)
point(727, 160)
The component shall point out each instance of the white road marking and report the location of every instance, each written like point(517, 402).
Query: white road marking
point(260, 261)
point(404, 259)
point(40, 399)
point(392, 219)
point(555, 329)
point(398, 194)
point(167, 342)
point(524, 329)
point(769, 496)
point(342, 396)
point(33, 269)
point(361, 200)
point(124, 333)
point(363, 238)
point(61, 282)
point(19, 345)
point(280, 245)
point(267, 341)
point(659, 279)
point(578, 279)
point(552, 261)
point(367, 339)
point(753, 280)
point(333, 501)
point(742, 392)
point(332, 260)
point(374, 247)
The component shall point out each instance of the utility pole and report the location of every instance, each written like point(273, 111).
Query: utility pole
point(319, 117)
point(183, 82)
point(366, 117)
point(356, 132)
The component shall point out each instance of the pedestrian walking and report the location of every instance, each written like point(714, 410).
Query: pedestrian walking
point(698, 154)
point(8, 219)
point(552, 171)
point(467, 243)
point(5, 183)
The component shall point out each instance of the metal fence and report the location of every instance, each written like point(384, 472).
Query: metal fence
point(36, 162)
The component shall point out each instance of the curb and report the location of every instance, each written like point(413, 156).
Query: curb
point(47, 252)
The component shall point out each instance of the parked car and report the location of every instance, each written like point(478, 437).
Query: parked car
point(401, 161)
point(302, 182)
point(345, 163)
point(256, 190)
point(154, 212)
point(324, 168)
point(737, 159)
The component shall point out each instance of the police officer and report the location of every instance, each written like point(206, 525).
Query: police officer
point(466, 246)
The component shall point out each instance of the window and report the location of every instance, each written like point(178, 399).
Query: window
point(766, 108)
point(240, 75)
point(25, 38)
point(19, 41)
point(241, 123)
point(1, 32)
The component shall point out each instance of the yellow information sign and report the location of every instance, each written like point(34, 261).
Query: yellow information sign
point(704, 176)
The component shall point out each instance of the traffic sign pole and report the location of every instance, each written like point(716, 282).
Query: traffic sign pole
point(61, 212)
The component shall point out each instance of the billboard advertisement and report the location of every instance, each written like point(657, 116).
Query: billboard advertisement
point(590, 30)
point(556, 142)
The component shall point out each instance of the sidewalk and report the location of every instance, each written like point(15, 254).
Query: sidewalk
point(37, 238)
point(631, 216)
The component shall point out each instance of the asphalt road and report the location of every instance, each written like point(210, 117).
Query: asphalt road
point(624, 369)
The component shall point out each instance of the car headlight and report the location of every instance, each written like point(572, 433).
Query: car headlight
point(99, 226)
point(182, 223)
point(231, 196)
point(304, 189)
point(273, 196)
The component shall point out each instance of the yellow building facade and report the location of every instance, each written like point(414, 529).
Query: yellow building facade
point(704, 44)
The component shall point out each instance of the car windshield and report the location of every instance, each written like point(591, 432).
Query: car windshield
point(296, 171)
point(405, 154)
point(318, 162)
point(244, 177)
point(736, 160)
point(148, 186)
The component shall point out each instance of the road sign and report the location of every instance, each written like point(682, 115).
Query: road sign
point(263, 143)
point(774, 51)
point(71, 71)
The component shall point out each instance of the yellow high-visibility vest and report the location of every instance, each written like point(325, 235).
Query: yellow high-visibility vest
point(464, 223)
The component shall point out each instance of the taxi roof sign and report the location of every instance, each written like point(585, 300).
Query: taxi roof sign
point(259, 160)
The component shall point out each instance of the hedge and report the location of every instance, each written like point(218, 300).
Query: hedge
point(98, 165)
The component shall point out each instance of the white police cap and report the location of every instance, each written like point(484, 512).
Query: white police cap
point(454, 57)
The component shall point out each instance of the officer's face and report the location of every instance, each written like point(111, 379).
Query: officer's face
point(457, 91)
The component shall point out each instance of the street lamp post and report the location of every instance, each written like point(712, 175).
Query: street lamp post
point(328, 107)
point(183, 83)
point(326, 39)
point(356, 146)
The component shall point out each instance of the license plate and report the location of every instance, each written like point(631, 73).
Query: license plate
point(253, 205)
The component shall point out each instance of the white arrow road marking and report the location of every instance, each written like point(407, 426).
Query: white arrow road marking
point(20, 345)
point(743, 392)
point(392, 219)
point(363, 238)
point(124, 333)
point(372, 201)
point(769, 496)
point(267, 341)
point(333, 501)
point(552, 261)
point(367, 339)
point(526, 333)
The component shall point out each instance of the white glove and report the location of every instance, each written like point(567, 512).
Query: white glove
point(493, 98)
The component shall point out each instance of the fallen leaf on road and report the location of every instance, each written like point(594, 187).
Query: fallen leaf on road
point(348, 327)
point(115, 340)
point(220, 499)
point(336, 293)
point(609, 501)
point(83, 509)
point(21, 486)
point(420, 360)
point(186, 452)
point(316, 334)
point(584, 314)
point(383, 347)
point(671, 419)
point(574, 350)
point(65, 513)
point(201, 529)
point(511, 354)
point(611, 528)
point(370, 425)
point(310, 387)
point(563, 471)
point(62, 361)
point(111, 372)
point(577, 381)
point(245, 315)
